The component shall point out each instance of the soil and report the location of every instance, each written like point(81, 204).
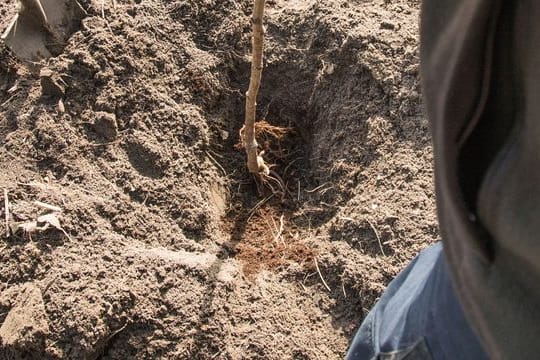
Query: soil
point(165, 246)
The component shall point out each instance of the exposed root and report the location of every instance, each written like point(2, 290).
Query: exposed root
point(271, 138)
point(264, 129)
point(266, 178)
point(275, 183)
point(262, 168)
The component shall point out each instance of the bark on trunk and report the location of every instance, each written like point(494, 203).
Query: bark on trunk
point(254, 161)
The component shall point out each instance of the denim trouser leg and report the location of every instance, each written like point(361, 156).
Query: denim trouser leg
point(418, 316)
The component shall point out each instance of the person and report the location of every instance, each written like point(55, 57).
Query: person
point(476, 295)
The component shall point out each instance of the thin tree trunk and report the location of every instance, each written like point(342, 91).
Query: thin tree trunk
point(254, 161)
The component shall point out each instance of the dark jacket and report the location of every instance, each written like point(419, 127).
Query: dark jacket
point(480, 64)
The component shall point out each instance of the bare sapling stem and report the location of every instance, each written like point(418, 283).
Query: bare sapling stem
point(255, 162)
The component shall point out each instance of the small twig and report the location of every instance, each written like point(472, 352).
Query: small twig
point(42, 11)
point(103, 143)
point(215, 154)
point(343, 284)
point(323, 191)
point(48, 206)
point(290, 164)
point(6, 212)
point(320, 275)
point(377, 236)
point(317, 188)
point(8, 100)
point(279, 232)
point(103, 9)
point(281, 227)
point(216, 163)
point(145, 198)
point(34, 184)
point(258, 205)
point(48, 285)
point(324, 203)
point(116, 332)
point(269, 225)
point(103, 16)
point(119, 330)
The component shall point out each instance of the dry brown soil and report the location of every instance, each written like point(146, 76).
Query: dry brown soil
point(170, 251)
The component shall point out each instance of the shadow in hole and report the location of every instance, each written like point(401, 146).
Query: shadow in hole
point(331, 102)
point(326, 132)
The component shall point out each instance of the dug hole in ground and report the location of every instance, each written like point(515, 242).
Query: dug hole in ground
point(160, 244)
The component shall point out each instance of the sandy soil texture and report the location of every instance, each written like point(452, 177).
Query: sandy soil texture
point(164, 246)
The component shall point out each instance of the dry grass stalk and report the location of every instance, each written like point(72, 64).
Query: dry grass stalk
point(321, 277)
point(377, 236)
point(6, 213)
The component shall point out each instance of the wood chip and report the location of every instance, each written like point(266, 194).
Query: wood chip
point(28, 227)
point(50, 219)
point(48, 206)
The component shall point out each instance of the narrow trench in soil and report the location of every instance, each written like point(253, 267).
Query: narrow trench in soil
point(270, 229)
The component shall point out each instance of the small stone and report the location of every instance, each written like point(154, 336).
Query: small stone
point(224, 135)
point(61, 107)
point(387, 25)
point(106, 126)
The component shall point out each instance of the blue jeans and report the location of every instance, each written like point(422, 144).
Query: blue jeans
point(418, 317)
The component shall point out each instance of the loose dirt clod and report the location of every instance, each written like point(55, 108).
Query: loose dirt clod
point(51, 84)
point(26, 325)
point(106, 126)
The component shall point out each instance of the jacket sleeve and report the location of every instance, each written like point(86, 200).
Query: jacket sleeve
point(481, 85)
